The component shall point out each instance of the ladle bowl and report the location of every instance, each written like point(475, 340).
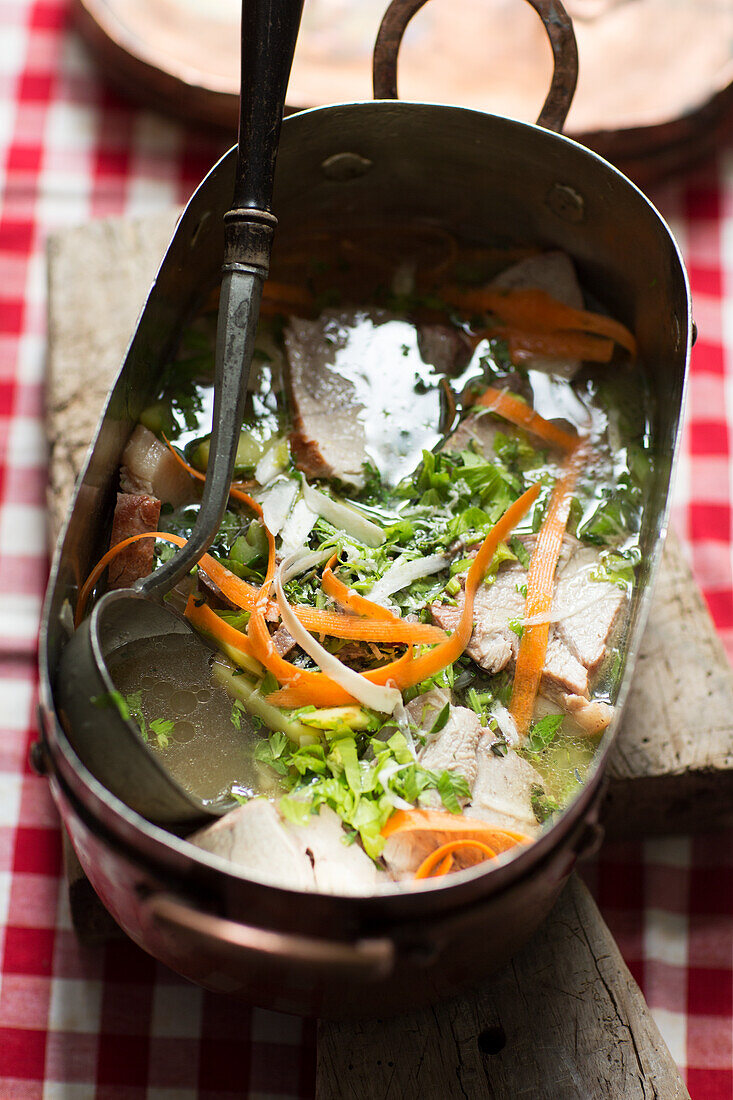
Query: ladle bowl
point(111, 744)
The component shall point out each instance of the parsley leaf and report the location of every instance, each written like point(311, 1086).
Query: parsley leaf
point(441, 720)
point(543, 733)
point(542, 805)
point(162, 728)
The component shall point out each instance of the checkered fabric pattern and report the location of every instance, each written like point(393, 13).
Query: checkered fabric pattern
point(109, 1022)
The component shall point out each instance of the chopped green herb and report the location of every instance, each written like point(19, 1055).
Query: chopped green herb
point(516, 626)
point(441, 721)
point(162, 728)
point(543, 733)
point(520, 551)
point(543, 806)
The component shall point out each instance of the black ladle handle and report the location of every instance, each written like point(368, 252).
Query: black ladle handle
point(269, 32)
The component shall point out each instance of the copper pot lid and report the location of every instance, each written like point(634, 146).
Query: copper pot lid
point(643, 63)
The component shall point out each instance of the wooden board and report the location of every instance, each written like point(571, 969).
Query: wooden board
point(563, 1021)
point(672, 767)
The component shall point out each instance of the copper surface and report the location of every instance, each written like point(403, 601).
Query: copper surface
point(655, 90)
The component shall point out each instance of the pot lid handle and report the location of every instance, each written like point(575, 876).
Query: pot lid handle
point(559, 30)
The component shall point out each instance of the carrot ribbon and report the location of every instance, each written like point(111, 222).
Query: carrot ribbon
point(246, 597)
point(506, 405)
point(461, 831)
point(350, 599)
point(448, 651)
point(540, 590)
point(534, 311)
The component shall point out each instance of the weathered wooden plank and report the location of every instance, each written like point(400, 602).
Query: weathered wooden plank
point(563, 1021)
point(673, 765)
point(98, 277)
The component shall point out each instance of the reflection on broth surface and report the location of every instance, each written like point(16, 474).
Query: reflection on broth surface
point(185, 718)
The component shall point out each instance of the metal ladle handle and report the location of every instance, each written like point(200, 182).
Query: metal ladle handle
point(558, 27)
point(269, 33)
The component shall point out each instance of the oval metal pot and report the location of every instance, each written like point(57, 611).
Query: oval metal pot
point(484, 178)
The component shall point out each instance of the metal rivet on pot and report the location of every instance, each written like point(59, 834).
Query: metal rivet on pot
point(38, 758)
point(566, 202)
point(345, 166)
point(677, 332)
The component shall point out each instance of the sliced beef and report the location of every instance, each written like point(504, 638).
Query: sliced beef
point(502, 793)
point(593, 716)
point(213, 594)
point(283, 641)
point(149, 467)
point(493, 643)
point(256, 840)
point(328, 438)
point(135, 513)
point(563, 671)
point(444, 347)
point(308, 857)
point(338, 867)
point(576, 645)
point(553, 272)
point(586, 633)
point(453, 748)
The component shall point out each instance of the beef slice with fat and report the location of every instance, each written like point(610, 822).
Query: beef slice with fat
point(135, 514)
point(149, 467)
point(328, 437)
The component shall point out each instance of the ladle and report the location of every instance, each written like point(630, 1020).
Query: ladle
point(110, 744)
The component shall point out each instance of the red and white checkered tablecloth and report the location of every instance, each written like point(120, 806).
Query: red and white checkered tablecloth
point(109, 1022)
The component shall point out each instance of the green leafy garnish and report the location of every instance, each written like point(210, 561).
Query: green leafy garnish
point(617, 567)
point(520, 551)
point(357, 777)
point(542, 805)
point(517, 626)
point(162, 728)
point(441, 720)
point(543, 733)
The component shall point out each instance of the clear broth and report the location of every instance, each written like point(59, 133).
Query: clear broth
point(205, 752)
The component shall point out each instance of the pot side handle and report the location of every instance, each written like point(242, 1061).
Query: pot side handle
point(559, 30)
point(175, 920)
